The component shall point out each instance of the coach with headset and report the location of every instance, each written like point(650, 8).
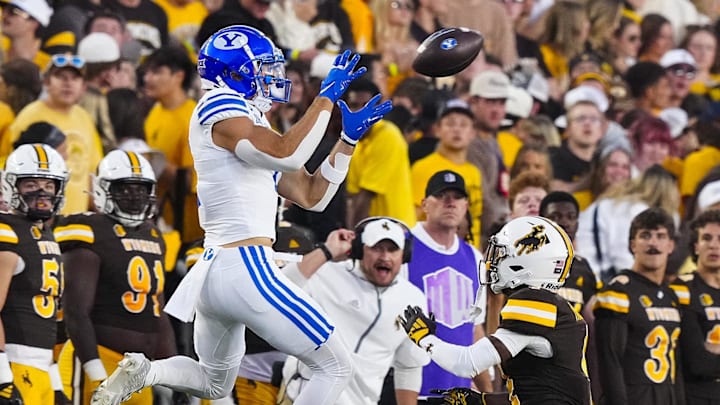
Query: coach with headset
point(364, 295)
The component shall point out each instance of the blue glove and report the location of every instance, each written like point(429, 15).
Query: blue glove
point(340, 76)
point(355, 124)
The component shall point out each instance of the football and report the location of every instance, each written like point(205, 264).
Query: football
point(447, 52)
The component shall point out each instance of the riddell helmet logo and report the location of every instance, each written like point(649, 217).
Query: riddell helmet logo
point(532, 241)
point(230, 40)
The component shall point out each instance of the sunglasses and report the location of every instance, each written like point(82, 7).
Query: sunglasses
point(68, 60)
point(398, 5)
point(17, 11)
point(683, 72)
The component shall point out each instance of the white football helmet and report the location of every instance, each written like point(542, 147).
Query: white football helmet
point(531, 251)
point(124, 187)
point(38, 161)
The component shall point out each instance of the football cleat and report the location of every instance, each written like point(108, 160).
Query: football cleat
point(127, 379)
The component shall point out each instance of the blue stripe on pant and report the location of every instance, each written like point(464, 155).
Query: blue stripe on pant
point(259, 273)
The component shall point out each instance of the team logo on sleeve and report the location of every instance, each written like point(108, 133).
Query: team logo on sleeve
point(119, 231)
point(533, 241)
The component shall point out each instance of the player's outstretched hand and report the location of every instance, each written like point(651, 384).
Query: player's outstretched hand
point(9, 395)
point(341, 75)
point(457, 396)
point(355, 124)
point(417, 325)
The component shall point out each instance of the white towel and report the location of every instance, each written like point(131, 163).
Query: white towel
point(182, 303)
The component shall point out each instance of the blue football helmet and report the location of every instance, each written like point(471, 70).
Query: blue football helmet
point(244, 59)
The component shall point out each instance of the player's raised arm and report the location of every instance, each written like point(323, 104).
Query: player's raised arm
point(315, 191)
point(263, 147)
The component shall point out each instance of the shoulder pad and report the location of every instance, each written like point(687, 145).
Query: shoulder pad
point(7, 234)
point(683, 293)
point(613, 300)
point(221, 105)
point(529, 306)
point(76, 228)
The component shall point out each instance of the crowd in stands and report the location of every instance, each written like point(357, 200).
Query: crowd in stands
point(615, 102)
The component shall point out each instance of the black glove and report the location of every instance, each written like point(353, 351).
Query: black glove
point(180, 398)
point(457, 396)
point(416, 324)
point(61, 399)
point(9, 395)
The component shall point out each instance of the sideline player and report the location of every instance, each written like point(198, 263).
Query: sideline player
point(699, 296)
point(115, 276)
point(637, 321)
point(31, 275)
point(242, 166)
point(540, 341)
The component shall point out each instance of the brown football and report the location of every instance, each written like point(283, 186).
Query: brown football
point(448, 51)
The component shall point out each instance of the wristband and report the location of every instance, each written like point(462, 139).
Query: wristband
point(345, 138)
point(323, 247)
point(6, 375)
point(95, 370)
point(295, 54)
point(332, 174)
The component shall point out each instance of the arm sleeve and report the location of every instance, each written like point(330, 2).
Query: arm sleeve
point(463, 361)
point(469, 361)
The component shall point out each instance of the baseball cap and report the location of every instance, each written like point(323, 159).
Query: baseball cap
point(582, 93)
point(444, 180)
point(676, 118)
point(592, 76)
point(709, 195)
point(518, 105)
point(456, 105)
point(98, 47)
point(677, 57)
point(381, 229)
point(586, 93)
point(490, 84)
point(38, 9)
point(589, 57)
point(538, 87)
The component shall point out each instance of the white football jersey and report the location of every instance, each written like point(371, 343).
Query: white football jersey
point(236, 200)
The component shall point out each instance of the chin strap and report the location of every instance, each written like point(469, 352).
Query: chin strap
point(262, 103)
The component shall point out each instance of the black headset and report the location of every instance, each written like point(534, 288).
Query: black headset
point(356, 251)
